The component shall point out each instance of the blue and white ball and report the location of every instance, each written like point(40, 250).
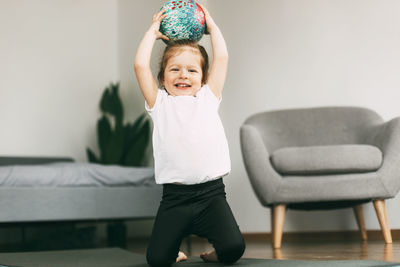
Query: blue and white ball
point(185, 20)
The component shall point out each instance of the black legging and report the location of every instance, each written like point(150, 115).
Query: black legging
point(199, 209)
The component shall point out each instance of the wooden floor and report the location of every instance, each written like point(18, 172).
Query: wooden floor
point(336, 250)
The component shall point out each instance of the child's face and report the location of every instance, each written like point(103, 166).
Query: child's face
point(183, 74)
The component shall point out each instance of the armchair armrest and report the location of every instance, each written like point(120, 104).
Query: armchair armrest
point(386, 137)
point(264, 179)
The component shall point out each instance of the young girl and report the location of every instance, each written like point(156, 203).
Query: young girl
point(190, 148)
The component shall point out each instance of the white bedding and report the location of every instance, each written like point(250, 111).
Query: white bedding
point(74, 175)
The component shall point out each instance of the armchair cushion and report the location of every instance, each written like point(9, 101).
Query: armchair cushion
point(332, 159)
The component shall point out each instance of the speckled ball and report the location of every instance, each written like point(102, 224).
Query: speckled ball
point(185, 20)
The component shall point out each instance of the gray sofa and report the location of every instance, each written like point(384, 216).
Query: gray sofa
point(322, 158)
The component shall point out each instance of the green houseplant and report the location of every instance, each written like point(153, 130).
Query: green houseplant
point(120, 144)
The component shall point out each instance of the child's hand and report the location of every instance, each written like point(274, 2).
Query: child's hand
point(209, 20)
point(155, 25)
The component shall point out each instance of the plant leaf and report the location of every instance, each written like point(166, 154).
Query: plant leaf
point(104, 135)
point(111, 103)
point(138, 124)
point(122, 144)
point(91, 156)
point(136, 155)
point(114, 148)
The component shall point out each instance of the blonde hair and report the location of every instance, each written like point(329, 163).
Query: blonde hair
point(176, 46)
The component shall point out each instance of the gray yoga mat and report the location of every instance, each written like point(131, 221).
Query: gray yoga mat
point(115, 257)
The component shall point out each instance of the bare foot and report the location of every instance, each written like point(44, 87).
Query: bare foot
point(209, 256)
point(181, 257)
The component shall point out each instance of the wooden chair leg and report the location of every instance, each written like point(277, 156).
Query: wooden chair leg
point(359, 213)
point(277, 222)
point(381, 212)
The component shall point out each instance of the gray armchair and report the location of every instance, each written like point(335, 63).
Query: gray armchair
point(322, 158)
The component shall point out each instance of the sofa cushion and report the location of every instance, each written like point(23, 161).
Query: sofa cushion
point(333, 159)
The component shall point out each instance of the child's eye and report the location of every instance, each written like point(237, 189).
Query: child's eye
point(192, 70)
point(174, 69)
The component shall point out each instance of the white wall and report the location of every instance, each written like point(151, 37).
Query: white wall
point(291, 53)
point(57, 57)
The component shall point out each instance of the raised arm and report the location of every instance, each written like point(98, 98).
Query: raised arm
point(219, 66)
point(147, 83)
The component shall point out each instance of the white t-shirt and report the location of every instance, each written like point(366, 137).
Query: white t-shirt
point(189, 141)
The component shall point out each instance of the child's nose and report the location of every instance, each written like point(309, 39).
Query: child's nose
point(184, 74)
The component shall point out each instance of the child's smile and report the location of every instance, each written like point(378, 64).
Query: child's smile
point(183, 74)
point(182, 86)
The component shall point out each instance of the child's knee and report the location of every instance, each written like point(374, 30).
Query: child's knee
point(231, 252)
point(159, 259)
